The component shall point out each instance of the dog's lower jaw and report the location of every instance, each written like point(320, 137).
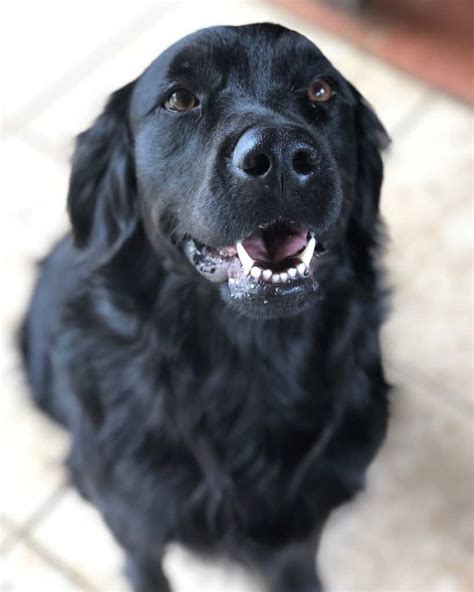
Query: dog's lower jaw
point(277, 304)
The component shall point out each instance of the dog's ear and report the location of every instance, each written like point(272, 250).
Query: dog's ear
point(372, 138)
point(102, 189)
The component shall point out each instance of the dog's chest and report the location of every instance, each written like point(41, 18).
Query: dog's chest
point(242, 440)
point(221, 437)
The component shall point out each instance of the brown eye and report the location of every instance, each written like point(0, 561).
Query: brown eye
point(181, 100)
point(320, 91)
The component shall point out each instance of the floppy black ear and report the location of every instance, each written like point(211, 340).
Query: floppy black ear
point(371, 138)
point(102, 189)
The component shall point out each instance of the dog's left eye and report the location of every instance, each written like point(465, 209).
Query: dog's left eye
point(181, 100)
point(320, 91)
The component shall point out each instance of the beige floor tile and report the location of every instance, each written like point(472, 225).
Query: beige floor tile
point(31, 457)
point(52, 51)
point(34, 215)
point(3, 534)
point(6, 535)
point(75, 533)
point(23, 570)
point(427, 205)
point(412, 530)
point(32, 218)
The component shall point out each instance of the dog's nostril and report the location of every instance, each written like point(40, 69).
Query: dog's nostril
point(256, 165)
point(303, 162)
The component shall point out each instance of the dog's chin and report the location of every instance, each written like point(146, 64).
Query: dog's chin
point(269, 301)
point(270, 274)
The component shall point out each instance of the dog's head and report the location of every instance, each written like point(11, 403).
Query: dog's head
point(245, 155)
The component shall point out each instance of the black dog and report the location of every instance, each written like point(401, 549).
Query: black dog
point(209, 334)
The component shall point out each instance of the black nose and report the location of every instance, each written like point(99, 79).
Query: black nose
point(275, 155)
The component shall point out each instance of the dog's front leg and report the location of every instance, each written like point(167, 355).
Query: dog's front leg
point(292, 569)
point(146, 574)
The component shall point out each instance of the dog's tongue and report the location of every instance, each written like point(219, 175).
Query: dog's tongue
point(276, 242)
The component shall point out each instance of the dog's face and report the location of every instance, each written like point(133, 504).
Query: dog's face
point(243, 148)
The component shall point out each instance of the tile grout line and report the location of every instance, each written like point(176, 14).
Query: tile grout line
point(18, 533)
point(91, 62)
point(66, 570)
point(23, 534)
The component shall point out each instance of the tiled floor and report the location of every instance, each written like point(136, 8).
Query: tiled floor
point(412, 531)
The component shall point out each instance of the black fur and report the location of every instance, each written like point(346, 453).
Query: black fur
point(189, 421)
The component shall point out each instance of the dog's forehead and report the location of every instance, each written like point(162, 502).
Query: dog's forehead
point(244, 56)
point(238, 52)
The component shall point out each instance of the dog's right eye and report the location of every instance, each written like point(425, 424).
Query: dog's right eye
point(181, 100)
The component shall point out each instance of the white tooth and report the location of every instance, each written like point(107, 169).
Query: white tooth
point(256, 272)
point(267, 274)
point(276, 278)
point(292, 272)
point(245, 259)
point(301, 268)
point(307, 254)
point(284, 276)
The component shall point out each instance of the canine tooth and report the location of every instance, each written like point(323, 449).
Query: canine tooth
point(292, 272)
point(256, 272)
point(267, 274)
point(245, 259)
point(307, 254)
point(276, 278)
point(301, 268)
point(284, 276)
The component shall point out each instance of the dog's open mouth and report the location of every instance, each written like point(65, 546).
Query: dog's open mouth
point(280, 254)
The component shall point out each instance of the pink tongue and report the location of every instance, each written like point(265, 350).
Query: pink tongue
point(273, 247)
